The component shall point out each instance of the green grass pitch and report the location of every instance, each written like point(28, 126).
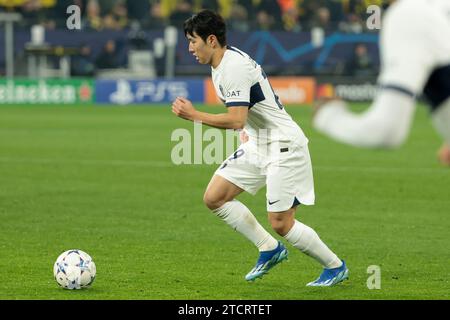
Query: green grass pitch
point(101, 179)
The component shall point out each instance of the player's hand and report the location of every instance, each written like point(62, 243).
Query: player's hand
point(243, 137)
point(183, 108)
point(444, 155)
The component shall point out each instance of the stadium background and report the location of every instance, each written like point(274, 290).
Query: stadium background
point(325, 41)
point(78, 169)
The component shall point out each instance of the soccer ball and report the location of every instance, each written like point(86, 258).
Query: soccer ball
point(74, 269)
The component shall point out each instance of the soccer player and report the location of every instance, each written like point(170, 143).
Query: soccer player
point(276, 153)
point(415, 55)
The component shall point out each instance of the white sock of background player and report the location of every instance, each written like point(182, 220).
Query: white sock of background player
point(385, 124)
point(441, 120)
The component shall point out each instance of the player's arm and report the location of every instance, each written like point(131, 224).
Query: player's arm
point(235, 118)
point(385, 124)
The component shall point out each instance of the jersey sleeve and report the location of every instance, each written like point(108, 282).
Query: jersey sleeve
point(237, 84)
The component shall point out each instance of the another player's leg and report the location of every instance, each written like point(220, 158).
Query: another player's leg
point(306, 240)
point(220, 199)
point(441, 121)
point(385, 124)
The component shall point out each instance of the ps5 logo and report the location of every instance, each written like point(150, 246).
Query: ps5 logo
point(124, 94)
point(73, 22)
point(147, 91)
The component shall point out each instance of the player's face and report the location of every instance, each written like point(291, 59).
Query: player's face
point(201, 50)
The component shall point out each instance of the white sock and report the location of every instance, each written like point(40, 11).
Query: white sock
point(441, 120)
point(306, 240)
point(239, 217)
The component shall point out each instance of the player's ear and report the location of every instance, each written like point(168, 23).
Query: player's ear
point(211, 40)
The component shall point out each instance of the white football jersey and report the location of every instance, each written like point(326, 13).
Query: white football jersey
point(415, 48)
point(240, 81)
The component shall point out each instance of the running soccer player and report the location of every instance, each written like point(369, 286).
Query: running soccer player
point(276, 154)
point(415, 55)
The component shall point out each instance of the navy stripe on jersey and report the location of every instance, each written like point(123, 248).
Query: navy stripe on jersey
point(263, 73)
point(238, 104)
point(233, 49)
point(256, 95)
point(398, 89)
point(437, 89)
point(277, 98)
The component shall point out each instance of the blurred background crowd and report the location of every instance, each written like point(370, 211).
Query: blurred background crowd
point(241, 15)
point(111, 28)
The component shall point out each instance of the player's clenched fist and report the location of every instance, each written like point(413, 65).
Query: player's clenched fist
point(243, 137)
point(183, 108)
point(444, 155)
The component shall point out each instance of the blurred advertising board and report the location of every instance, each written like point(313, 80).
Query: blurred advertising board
point(123, 92)
point(48, 91)
point(348, 90)
point(291, 90)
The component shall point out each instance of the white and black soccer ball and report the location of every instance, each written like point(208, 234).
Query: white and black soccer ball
point(74, 269)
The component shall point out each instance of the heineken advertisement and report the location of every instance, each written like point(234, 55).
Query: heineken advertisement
point(54, 91)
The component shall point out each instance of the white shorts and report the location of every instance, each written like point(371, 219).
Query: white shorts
point(414, 41)
point(284, 167)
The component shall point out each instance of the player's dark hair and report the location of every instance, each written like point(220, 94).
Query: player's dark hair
point(206, 23)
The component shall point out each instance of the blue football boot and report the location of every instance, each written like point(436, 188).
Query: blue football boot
point(266, 261)
point(331, 277)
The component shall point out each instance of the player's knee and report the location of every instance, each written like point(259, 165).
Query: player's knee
point(281, 224)
point(212, 201)
point(279, 228)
